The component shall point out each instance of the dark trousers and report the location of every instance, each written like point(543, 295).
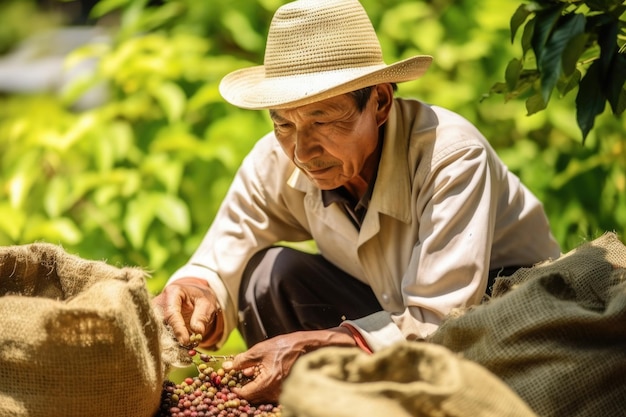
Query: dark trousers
point(285, 290)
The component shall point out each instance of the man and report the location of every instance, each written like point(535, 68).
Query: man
point(410, 208)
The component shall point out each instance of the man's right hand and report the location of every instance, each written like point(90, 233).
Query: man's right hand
point(189, 306)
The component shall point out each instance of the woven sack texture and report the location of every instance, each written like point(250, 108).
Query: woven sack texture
point(78, 338)
point(407, 379)
point(555, 333)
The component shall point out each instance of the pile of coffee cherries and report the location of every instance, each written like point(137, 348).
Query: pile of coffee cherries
point(209, 394)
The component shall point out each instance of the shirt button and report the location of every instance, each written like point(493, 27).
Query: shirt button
point(385, 297)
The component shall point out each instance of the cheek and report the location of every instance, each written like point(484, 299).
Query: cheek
point(286, 145)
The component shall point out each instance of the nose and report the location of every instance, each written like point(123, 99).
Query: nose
point(307, 147)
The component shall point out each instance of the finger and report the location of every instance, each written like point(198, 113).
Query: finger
point(250, 391)
point(173, 316)
point(245, 361)
point(202, 316)
point(262, 389)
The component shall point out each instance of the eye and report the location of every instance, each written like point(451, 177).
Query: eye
point(282, 126)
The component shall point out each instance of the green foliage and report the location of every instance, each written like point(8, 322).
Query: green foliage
point(137, 179)
point(568, 44)
point(18, 17)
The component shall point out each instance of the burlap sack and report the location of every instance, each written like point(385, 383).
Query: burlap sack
point(409, 379)
point(78, 338)
point(555, 333)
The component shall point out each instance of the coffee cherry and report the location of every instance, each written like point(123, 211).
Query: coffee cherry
point(209, 393)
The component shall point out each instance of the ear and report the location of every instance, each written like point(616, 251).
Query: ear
point(384, 100)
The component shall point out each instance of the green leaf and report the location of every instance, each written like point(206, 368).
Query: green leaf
point(545, 21)
point(154, 17)
point(607, 34)
point(568, 83)
point(512, 73)
point(12, 221)
point(590, 100)
point(550, 61)
point(103, 7)
point(527, 36)
point(173, 212)
point(616, 83)
point(62, 230)
point(535, 104)
point(518, 18)
point(140, 213)
point(573, 51)
point(621, 103)
point(241, 30)
point(57, 197)
point(172, 100)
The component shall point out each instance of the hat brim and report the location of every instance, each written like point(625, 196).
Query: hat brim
point(249, 88)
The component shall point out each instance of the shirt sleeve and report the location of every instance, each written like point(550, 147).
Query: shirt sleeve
point(253, 215)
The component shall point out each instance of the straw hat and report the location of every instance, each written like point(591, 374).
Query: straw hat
point(317, 49)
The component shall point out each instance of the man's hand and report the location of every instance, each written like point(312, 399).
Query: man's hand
point(271, 360)
point(189, 304)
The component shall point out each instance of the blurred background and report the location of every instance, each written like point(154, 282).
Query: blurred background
point(115, 143)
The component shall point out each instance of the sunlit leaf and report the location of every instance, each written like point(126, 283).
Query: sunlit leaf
point(23, 176)
point(12, 221)
point(90, 51)
point(173, 212)
point(56, 197)
point(154, 17)
point(103, 7)
point(241, 30)
point(61, 230)
point(140, 213)
point(172, 100)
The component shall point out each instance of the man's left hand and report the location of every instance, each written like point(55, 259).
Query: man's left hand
point(269, 362)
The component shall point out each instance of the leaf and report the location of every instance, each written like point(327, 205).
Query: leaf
point(140, 213)
point(568, 83)
point(535, 104)
point(573, 51)
point(590, 101)
point(103, 7)
point(241, 30)
point(512, 73)
point(550, 61)
point(173, 212)
point(12, 220)
point(172, 100)
point(545, 21)
point(616, 82)
point(57, 196)
point(607, 34)
point(518, 18)
point(527, 36)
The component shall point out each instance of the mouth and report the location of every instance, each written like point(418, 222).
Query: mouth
point(319, 172)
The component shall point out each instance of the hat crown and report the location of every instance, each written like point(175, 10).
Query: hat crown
point(310, 36)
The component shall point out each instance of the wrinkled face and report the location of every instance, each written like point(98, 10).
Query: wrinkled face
point(331, 140)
